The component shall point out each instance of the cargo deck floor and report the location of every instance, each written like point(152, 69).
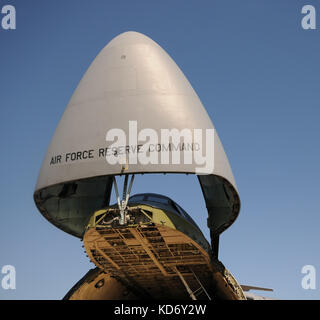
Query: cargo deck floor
point(149, 258)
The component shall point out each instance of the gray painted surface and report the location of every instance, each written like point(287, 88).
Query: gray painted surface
point(132, 78)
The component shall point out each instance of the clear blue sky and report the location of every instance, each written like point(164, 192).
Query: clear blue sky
point(257, 73)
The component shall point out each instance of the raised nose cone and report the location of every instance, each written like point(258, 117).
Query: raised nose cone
point(132, 79)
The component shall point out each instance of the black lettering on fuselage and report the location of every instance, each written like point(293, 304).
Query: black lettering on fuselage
point(55, 159)
point(79, 155)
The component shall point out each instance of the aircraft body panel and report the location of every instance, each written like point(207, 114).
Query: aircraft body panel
point(131, 79)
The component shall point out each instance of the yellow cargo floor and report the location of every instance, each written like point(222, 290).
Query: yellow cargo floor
point(150, 258)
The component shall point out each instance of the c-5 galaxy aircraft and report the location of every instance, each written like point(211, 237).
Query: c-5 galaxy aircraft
point(144, 246)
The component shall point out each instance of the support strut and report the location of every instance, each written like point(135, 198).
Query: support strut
point(122, 204)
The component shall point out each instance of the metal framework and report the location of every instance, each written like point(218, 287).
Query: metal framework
point(153, 257)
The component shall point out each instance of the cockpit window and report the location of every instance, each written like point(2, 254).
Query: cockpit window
point(181, 211)
point(161, 200)
point(154, 198)
point(184, 214)
point(137, 198)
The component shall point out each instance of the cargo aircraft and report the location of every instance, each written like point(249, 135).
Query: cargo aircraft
point(145, 246)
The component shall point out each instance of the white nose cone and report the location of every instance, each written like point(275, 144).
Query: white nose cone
point(116, 122)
